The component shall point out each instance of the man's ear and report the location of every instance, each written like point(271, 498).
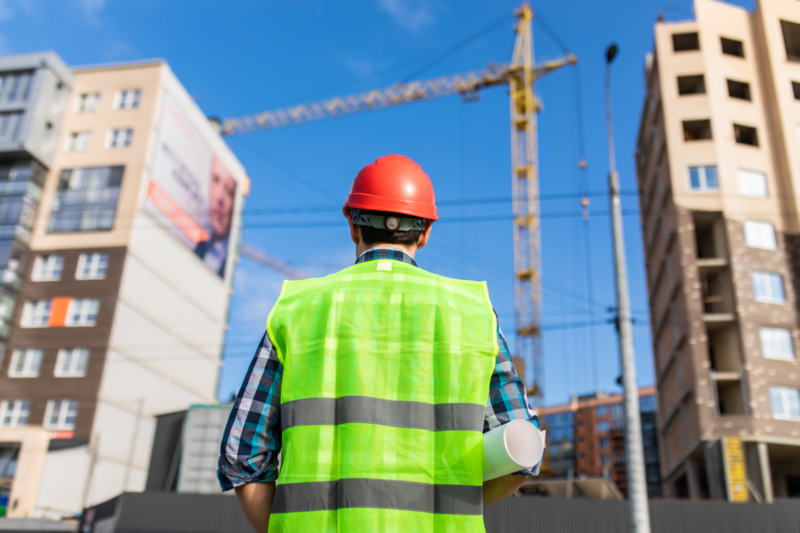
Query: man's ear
point(355, 232)
point(426, 234)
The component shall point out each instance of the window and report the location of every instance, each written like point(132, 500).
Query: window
point(61, 414)
point(92, 266)
point(745, 135)
point(682, 42)
point(36, 314)
point(785, 403)
point(703, 179)
point(696, 130)
point(14, 413)
point(796, 90)
point(605, 459)
point(78, 141)
point(82, 312)
point(732, 47)
point(86, 199)
point(617, 411)
point(739, 89)
point(752, 183)
point(691, 85)
point(128, 99)
point(47, 268)
point(768, 287)
point(791, 39)
point(25, 363)
point(9, 127)
point(604, 443)
point(601, 410)
point(647, 404)
point(759, 234)
point(776, 343)
point(15, 87)
point(87, 102)
point(602, 427)
point(120, 138)
point(72, 363)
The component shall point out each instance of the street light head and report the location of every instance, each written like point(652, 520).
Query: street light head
point(611, 53)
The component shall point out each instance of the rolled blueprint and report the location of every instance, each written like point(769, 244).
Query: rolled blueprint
point(510, 448)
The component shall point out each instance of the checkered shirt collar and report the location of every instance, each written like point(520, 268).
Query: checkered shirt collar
point(386, 253)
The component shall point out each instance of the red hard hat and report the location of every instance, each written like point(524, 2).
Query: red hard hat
point(393, 184)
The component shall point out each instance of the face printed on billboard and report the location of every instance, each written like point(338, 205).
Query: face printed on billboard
point(190, 190)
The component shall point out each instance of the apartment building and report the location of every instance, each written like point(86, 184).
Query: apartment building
point(718, 164)
point(124, 301)
point(34, 91)
point(586, 438)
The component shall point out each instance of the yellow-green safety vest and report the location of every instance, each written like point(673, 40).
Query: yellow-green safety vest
point(386, 371)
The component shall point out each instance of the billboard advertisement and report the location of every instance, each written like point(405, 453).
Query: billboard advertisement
point(190, 191)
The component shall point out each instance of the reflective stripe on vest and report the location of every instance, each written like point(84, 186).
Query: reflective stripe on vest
point(384, 389)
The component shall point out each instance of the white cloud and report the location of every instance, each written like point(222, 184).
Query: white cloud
point(118, 51)
point(363, 67)
point(92, 7)
point(6, 13)
point(410, 14)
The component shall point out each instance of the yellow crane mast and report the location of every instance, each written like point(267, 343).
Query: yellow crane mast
point(520, 76)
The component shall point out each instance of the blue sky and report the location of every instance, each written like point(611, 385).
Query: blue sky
point(247, 56)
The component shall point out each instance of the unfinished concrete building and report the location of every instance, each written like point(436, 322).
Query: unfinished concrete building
point(718, 165)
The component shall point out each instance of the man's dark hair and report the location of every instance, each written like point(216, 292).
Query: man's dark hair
point(372, 235)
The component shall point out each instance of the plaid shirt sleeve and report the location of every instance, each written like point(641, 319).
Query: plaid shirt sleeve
point(252, 439)
point(507, 398)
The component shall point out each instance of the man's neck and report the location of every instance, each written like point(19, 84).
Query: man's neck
point(361, 248)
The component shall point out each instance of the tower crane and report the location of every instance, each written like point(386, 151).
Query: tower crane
point(519, 75)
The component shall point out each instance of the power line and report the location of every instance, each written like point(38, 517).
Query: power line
point(456, 48)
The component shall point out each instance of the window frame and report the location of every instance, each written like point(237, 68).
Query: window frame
point(82, 99)
point(774, 342)
point(73, 368)
point(31, 310)
point(41, 268)
point(31, 363)
point(785, 402)
point(743, 174)
point(770, 286)
point(92, 272)
point(114, 135)
point(757, 232)
point(82, 315)
point(77, 139)
point(121, 102)
point(702, 178)
point(65, 406)
point(16, 412)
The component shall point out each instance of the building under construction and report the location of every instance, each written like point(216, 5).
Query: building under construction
point(718, 165)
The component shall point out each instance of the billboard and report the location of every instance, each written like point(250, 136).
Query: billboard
point(190, 191)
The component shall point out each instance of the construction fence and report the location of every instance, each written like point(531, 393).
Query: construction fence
point(153, 512)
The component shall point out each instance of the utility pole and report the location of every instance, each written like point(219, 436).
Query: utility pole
point(637, 483)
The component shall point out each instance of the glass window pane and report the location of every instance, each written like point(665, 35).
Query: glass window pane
point(711, 178)
point(694, 178)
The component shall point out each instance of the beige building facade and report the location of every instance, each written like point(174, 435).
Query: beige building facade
point(123, 308)
point(718, 164)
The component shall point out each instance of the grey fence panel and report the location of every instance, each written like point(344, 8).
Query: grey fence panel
point(190, 513)
point(199, 513)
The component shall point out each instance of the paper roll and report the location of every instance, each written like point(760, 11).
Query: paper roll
point(510, 448)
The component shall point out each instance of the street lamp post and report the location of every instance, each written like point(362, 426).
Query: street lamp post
point(637, 483)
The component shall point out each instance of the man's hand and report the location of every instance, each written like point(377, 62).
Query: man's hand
point(501, 488)
point(256, 502)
